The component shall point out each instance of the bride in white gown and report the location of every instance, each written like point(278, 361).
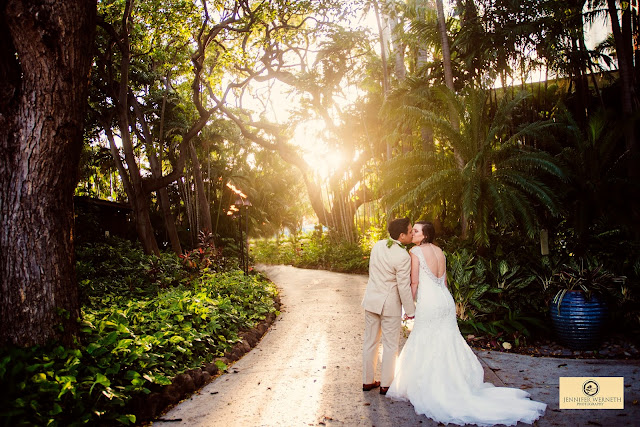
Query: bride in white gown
point(436, 370)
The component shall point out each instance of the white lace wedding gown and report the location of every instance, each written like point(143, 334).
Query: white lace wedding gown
point(440, 375)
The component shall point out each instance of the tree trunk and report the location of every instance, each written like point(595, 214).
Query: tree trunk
point(163, 198)
point(169, 221)
point(398, 47)
point(383, 55)
point(139, 198)
point(42, 105)
point(453, 115)
point(628, 88)
point(446, 51)
point(141, 205)
point(203, 202)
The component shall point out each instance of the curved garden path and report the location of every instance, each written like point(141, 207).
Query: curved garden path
point(306, 371)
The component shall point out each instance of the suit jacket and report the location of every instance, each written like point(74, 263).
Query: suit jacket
point(389, 286)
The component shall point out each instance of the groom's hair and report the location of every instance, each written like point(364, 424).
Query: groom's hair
point(428, 230)
point(398, 226)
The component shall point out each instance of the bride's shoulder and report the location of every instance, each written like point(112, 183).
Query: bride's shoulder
point(415, 249)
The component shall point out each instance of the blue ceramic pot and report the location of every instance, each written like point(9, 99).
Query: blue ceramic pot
point(580, 323)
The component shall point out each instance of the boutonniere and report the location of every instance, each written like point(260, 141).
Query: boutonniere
point(390, 243)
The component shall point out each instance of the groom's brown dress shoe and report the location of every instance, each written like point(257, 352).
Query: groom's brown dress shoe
point(367, 387)
point(384, 390)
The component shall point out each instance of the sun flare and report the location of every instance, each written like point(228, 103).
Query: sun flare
point(324, 160)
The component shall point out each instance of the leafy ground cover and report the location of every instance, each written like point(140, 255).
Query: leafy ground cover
point(144, 320)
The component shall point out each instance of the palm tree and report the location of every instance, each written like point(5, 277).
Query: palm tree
point(598, 188)
point(501, 182)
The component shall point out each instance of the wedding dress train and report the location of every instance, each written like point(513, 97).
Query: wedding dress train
point(440, 375)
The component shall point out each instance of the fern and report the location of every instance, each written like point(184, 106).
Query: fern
point(501, 182)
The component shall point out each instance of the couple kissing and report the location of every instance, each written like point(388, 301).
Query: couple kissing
point(436, 371)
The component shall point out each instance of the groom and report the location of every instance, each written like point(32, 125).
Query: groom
point(388, 289)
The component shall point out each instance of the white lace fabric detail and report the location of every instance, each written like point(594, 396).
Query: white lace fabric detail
point(425, 268)
point(435, 305)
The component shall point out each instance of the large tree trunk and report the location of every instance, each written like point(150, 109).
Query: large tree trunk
point(45, 58)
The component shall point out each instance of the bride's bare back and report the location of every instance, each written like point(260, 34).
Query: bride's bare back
point(434, 257)
point(436, 262)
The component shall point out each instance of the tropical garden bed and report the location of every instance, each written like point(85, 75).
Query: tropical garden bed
point(502, 295)
point(152, 330)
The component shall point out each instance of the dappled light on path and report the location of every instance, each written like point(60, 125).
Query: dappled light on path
point(307, 368)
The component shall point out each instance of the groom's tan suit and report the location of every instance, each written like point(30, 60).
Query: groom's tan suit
point(388, 289)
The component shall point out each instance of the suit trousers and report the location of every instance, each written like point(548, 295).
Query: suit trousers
point(377, 326)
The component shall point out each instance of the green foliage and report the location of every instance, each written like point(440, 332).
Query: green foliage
point(120, 270)
point(278, 195)
point(498, 294)
point(98, 176)
point(313, 251)
point(143, 323)
point(588, 275)
point(595, 158)
point(482, 166)
point(466, 279)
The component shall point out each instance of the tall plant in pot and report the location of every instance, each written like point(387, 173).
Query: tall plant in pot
point(579, 310)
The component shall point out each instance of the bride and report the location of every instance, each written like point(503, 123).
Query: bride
point(437, 371)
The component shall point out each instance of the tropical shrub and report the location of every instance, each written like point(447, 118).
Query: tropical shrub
point(482, 166)
point(141, 325)
point(313, 251)
point(118, 268)
point(498, 295)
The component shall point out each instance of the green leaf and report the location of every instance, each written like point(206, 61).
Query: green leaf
point(57, 409)
point(92, 347)
point(102, 380)
point(128, 419)
point(221, 365)
point(157, 379)
point(176, 339)
point(39, 377)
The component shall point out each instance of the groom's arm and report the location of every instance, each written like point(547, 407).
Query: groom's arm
point(403, 278)
point(415, 275)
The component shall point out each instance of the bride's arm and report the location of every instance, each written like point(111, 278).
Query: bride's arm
point(415, 273)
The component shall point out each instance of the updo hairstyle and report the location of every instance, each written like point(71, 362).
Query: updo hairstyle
point(428, 230)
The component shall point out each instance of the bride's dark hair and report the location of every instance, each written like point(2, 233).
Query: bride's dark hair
point(428, 230)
